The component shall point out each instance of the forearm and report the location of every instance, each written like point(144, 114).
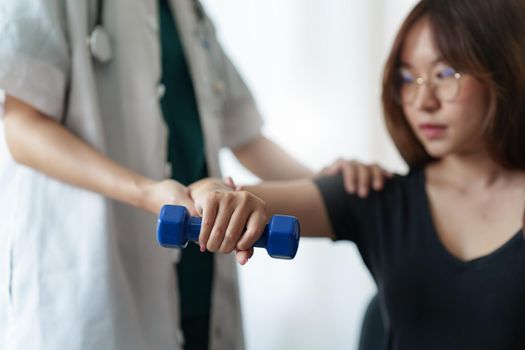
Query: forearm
point(299, 198)
point(43, 144)
point(270, 162)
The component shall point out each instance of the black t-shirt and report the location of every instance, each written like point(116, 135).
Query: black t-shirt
point(430, 299)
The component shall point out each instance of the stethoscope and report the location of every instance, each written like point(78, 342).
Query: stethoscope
point(99, 42)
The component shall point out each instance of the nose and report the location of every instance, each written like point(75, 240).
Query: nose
point(426, 98)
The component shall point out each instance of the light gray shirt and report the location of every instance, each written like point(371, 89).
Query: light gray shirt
point(77, 270)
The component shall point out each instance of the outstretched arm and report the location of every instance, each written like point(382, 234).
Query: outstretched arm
point(300, 198)
point(270, 161)
point(43, 144)
point(226, 212)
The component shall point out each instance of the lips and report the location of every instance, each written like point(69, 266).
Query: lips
point(432, 131)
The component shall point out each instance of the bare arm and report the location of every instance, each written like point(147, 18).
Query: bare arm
point(269, 161)
point(300, 198)
point(218, 203)
point(41, 143)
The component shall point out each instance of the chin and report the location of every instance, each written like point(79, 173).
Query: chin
point(438, 149)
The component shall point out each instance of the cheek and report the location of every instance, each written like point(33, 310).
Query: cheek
point(473, 99)
point(412, 117)
point(469, 111)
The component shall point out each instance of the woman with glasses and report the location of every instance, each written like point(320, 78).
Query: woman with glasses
point(445, 242)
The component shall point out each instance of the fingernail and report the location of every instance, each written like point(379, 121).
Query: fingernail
point(203, 248)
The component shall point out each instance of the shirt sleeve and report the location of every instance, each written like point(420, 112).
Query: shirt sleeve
point(34, 54)
point(340, 206)
point(384, 224)
point(242, 120)
point(374, 222)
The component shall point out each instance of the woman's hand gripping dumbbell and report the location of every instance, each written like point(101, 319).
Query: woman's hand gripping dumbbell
point(175, 228)
point(232, 220)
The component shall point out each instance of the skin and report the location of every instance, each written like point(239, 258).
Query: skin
point(39, 142)
point(476, 204)
point(491, 197)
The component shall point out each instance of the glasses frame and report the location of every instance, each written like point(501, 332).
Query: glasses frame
point(421, 80)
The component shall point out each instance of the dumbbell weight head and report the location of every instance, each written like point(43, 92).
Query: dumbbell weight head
point(283, 237)
point(171, 226)
point(175, 228)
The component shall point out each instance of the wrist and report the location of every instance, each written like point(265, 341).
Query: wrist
point(137, 191)
point(207, 185)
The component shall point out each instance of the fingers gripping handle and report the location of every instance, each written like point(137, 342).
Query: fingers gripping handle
point(175, 228)
point(194, 228)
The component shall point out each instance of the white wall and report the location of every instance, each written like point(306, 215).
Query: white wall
point(314, 67)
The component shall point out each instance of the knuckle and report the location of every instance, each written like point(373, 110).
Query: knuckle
point(228, 198)
point(244, 198)
point(218, 231)
point(206, 223)
point(227, 247)
point(243, 245)
point(211, 197)
point(212, 246)
point(225, 250)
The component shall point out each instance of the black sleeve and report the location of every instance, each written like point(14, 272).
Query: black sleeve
point(369, 221)
point(339, 207)
point(383, 224)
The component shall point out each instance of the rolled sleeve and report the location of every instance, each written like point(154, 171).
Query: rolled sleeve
point(34, 54)
point(242, 120)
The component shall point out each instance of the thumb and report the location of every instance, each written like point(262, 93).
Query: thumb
point(193, 208)
point(242, 256)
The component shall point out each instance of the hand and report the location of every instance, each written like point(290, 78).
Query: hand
point(358, 177)
point(242, 256)
point(225, 214)
point(156, 194)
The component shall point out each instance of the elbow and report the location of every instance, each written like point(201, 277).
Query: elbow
point(13, 131)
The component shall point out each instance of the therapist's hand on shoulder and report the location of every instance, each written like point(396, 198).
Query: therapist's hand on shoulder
point(226, 213)
point(358, 177)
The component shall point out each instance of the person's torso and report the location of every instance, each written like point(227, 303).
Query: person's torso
point(433, 299)
point(430, 299)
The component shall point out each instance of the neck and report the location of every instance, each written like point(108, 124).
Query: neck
point(475, 170)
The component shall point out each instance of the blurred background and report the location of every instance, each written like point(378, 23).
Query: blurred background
point(314, 67)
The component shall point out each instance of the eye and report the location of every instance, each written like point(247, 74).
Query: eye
point(445, 73)
point(406, 77)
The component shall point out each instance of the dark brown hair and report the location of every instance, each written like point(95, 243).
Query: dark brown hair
point(484, 38)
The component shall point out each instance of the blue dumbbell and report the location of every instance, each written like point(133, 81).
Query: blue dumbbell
point(175, 227)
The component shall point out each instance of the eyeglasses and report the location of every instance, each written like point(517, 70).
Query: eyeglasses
point(444, 82)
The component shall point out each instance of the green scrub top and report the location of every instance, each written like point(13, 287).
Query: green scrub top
point(187, 157)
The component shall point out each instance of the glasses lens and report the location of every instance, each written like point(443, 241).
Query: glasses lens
point(447, 83)
point(407, 86)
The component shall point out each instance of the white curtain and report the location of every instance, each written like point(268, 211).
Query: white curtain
point(314, 67)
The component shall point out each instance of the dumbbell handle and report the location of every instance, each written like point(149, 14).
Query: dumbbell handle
point(194, 228)
point(175, 227)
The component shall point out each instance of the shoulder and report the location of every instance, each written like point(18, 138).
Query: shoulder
point(400, 191)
